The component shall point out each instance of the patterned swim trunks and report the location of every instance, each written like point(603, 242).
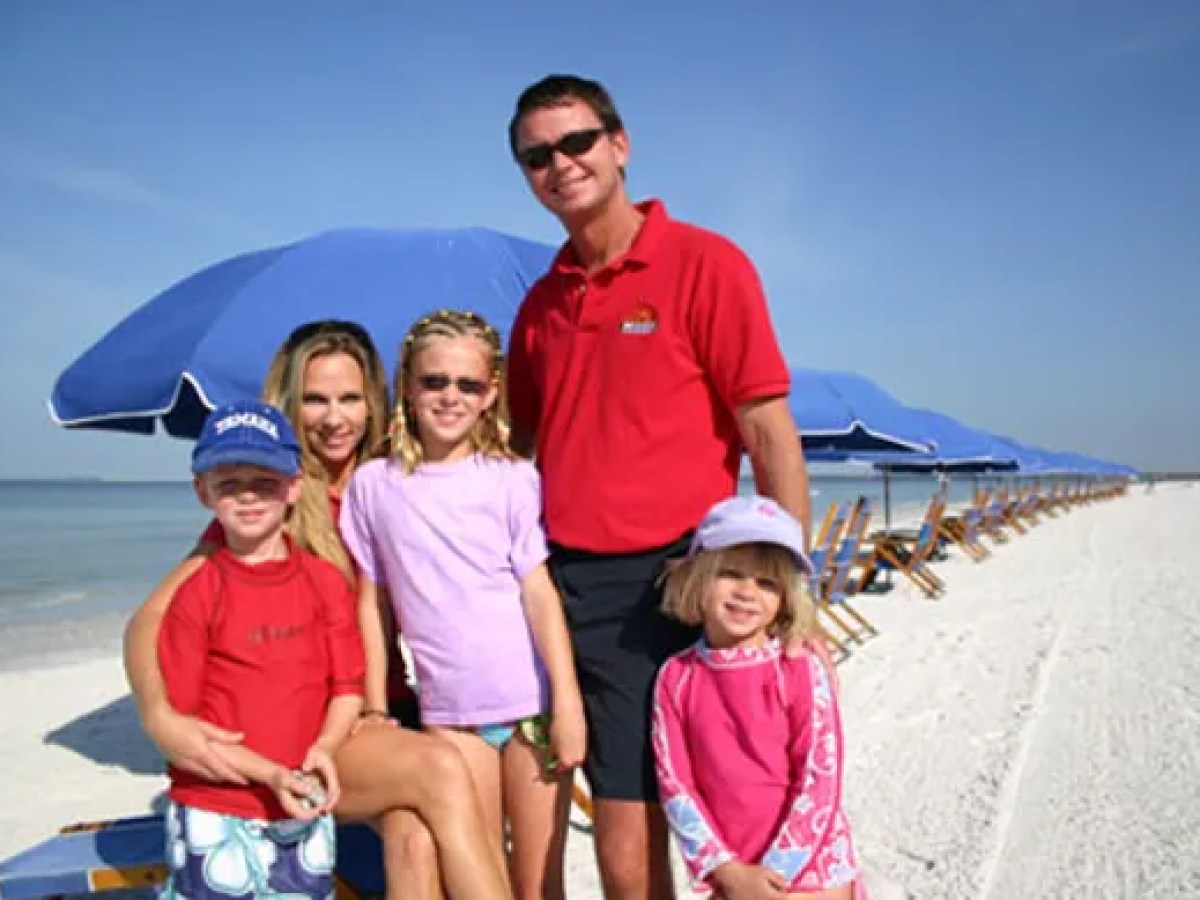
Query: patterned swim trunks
point(217, 856)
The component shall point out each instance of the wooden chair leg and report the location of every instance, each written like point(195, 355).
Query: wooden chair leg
point(833, 615)
point(583, 800)
point(930, 586)
point(832, 641)
point(864, 623)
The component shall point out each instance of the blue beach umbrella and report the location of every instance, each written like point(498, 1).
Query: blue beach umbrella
point(843, 416)
point(209, 339)
point(956, 448)
point(1029, 460)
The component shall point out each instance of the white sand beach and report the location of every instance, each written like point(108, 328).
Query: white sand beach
point(1035, 733)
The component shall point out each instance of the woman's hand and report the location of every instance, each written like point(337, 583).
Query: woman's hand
point(192, 744)
point(373, 719)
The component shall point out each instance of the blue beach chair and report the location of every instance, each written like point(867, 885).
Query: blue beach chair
point(128, 853)
point(964, 530)
point(821, 557)
point(835, 587)
point(908, 555)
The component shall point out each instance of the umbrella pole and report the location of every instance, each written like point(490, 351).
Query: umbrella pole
point(887, 498)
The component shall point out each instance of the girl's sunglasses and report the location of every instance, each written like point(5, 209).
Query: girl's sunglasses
point(436, 382)
point(572, 144)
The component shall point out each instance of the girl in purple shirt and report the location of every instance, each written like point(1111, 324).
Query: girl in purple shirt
point(747, 741)
point(447, 530)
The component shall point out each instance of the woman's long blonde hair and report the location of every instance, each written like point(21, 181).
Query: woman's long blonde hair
point(490, 435)
point(311, 522)
point(689, 582)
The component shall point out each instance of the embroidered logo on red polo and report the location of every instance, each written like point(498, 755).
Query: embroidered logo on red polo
point(643, 320)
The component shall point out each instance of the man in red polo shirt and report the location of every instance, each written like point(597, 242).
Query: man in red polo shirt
point(640, 367)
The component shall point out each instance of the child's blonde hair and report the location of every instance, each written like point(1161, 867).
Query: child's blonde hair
point(690, 580)
point(490, 435)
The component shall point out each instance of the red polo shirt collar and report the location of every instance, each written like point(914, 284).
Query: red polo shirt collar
point(639, 253)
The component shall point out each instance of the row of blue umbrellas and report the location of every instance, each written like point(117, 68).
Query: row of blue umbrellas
point(848, 418)
point(208, 340)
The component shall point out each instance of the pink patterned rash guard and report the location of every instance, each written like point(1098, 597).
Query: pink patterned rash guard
point(748, 745)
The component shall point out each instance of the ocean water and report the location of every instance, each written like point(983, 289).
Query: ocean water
point(77, 557)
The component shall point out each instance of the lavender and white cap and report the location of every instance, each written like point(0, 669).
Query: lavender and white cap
point(751, 520)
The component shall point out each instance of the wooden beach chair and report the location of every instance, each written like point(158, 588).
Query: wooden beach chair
point(1010, 512)
point(1031, 508)
point(963, 530)
point(1054, 502)
point(821, 557)
point(991, 521)
point(835, 587)
point(908, 555)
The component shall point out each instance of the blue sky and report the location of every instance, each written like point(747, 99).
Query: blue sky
point(992, 209)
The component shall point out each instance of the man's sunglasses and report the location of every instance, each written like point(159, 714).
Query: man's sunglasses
point(436, 382)
point(572, 144)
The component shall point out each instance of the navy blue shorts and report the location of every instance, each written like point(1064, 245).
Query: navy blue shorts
point(621, 638)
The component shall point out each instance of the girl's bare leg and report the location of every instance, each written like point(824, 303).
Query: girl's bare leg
point(537, 816)
point(410, 860)
point(483, 762)
point(386, 769)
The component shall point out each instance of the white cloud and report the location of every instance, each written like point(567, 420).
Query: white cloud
point(28, 279)
point(116, 187)
point(1158, 39)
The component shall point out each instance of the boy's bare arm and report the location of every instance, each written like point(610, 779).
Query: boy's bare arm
point(339, 721)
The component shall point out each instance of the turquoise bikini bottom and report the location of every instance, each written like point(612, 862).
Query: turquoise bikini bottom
point(497, 736)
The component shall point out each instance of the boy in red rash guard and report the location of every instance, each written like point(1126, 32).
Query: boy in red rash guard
point(262, 640)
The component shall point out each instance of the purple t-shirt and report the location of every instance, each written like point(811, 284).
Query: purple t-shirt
point(452, 542)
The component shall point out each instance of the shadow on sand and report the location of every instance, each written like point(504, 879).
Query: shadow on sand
point(111, 736)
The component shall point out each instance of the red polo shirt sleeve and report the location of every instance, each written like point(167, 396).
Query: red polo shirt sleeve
point(726, 321)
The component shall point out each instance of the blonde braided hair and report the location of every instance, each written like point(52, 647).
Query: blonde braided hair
point(491, 433)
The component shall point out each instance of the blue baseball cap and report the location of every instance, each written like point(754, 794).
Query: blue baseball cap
point(751, 520)
point(248, 433)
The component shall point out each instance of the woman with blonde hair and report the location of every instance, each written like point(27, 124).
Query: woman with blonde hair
point(413, 789)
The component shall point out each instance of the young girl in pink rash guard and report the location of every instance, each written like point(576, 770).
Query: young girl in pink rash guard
point(748, 741)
